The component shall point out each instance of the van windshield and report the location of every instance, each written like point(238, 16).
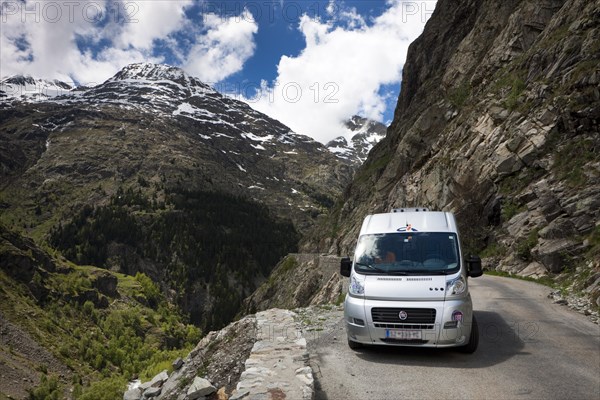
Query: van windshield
point(407, 253)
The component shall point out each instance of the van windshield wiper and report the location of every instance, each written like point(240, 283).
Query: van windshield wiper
point(371, 267)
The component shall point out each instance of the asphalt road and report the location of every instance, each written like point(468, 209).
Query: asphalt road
point(529, 348)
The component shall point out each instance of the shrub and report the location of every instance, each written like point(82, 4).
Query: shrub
point(459, 95)
point(106, 389)
point(570, 159)
point(525, 246)
point(88, 308)
point(48, 389)
point(517, 88)
point(149, 288)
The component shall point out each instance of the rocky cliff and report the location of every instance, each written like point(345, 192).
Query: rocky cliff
point(497, 121)
point(300, 280)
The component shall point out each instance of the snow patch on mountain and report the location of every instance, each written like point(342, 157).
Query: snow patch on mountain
point(362, 135)
point(257, 138)
point(169, 92)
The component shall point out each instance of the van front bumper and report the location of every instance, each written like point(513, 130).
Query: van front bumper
point(443, 332)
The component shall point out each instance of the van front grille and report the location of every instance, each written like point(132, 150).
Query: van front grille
point(415, 316)
point(403, 326)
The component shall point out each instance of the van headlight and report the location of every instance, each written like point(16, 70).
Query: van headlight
point(456, 287)
point(357, 286)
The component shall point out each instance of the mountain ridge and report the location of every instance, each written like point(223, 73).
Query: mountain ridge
point(169, 91)
point(113, 175)
point(26, 87)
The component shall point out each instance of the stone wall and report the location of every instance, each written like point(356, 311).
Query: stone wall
point(278, 364)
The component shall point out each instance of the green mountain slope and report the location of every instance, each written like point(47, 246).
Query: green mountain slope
point(155, 172)
point(72, 331)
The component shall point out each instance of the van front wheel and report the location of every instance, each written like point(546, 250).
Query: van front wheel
point(470, 347)
point(354, 345)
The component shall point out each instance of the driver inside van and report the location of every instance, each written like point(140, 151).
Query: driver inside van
point(386, 253)
point(388, 257)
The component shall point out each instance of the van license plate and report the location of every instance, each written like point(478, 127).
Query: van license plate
point(403, 334)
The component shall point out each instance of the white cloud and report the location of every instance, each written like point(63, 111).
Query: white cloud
point(223, 48)
point(150, 20)
point(43, 39)
point(40, 41)
point(341, 70)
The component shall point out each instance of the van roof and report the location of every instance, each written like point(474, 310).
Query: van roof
point(417, 221)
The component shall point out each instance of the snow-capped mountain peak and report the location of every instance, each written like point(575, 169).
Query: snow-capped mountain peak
point(168, 126)
point(363, 134)
point(27, 88)
point(170, 93)
point(158, 73)
point(149, 71)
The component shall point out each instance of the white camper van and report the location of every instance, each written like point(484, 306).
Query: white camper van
point(409, 283)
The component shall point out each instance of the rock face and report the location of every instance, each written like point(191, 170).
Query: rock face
point(363, 135)
point(299, 280)
point(218, 358)
point(497, 121)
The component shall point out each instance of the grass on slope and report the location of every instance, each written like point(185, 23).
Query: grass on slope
point(103, 347)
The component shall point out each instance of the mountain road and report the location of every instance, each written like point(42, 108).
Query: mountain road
point(530, 348)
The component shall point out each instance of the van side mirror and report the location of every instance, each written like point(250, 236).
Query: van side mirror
point(474, 266)
point(345, 266)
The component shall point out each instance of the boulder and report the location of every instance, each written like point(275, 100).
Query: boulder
point(528, 153)
point(549, 204)
point(159, 379)
point(547, 117)
point(200, 387)
point(152, 392)
point(514, 142)
point(551, 253)
point(498, 114)
point(506, 162)
point(560, 228)
point(177, 363)
point(105, 283)
point(133, 394)
point(534, 270)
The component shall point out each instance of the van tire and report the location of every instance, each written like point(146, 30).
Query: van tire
point(470, 347)
point(354, 345)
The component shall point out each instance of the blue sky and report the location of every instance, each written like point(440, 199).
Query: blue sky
point(309, 63)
